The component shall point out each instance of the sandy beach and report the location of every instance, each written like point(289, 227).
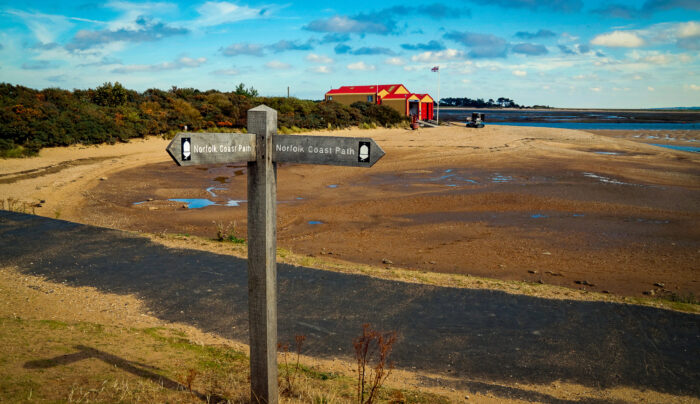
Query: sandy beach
point(604, 212)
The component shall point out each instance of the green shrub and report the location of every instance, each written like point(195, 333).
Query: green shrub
point(31, 119)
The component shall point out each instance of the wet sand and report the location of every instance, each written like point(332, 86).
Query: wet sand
point(603, 212)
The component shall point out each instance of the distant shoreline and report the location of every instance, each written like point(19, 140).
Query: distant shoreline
point(669, 110)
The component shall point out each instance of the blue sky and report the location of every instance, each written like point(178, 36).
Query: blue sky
point(564, 53)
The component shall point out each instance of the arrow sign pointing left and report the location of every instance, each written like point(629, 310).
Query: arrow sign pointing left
point(188, 149)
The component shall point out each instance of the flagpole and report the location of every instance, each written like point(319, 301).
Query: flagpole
point(438, 114)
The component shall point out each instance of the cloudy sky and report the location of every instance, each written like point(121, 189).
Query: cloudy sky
point(564, 53)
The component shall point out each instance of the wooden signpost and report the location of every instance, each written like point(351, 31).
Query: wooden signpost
point(262, 148)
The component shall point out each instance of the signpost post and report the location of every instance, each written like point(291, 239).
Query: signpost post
point(262, 149)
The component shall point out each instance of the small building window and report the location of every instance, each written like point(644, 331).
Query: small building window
point(370, 98)
point(330, 98)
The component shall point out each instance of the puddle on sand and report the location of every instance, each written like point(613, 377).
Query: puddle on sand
point(609, 153)
point(194, 203)
point(315, 222)
point(211, 190)
point(444, 177)
point(651, 221)
point(221, 180)
point(605, 180)
point(198, 203)
point(452, 178)
point(333, 186)
point(233, 202)
point(538, 216)
point(501, 179)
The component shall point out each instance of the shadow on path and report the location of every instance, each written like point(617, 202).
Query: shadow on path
point(467, 334)
point(135, 368)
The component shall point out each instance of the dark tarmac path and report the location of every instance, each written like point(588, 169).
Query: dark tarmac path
point(468, 334)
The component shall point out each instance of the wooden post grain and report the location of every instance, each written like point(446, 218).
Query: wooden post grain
point(262, 249)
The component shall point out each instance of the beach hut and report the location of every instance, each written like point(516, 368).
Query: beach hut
point(426, 106)
point(395, 96)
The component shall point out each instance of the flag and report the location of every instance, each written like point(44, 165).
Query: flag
point(434, 69)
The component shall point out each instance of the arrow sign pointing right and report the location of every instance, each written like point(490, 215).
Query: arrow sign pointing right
point(328, 150)
point(188, 149)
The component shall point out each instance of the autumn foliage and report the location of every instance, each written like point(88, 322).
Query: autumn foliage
point(31, 119)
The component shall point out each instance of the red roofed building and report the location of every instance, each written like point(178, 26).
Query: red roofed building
point(395, 96)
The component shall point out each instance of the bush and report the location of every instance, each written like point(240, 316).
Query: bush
point(32, 119)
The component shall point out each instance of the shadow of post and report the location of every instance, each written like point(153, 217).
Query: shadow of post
point(135, 368)
point(463, 333)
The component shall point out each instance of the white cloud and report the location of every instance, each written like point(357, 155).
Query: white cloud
point(361, 66)
point(45, 27)
point(321, 69)
point(237, 49)
point(226, 72)
point(314, 58)
point(395, 61)
point(566, 37)
point(133, 11)
point(619, 39)
point(586, 77)
point(693, 87)
point(596, 89)
point(181, 63)
point(214, 13)
point(277, 65)
point(519, 73)
point(432, 57)
point(688, 29)
point(343, 24)
point(658, 58)
point(189, 62)
point(650, 88)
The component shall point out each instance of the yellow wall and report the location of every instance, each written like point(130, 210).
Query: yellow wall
point(399, 105)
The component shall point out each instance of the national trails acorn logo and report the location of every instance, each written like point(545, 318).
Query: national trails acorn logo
point(186, 149)
point(363, 153)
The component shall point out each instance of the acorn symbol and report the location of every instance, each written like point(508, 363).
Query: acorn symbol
point(186, 149)
point(364, 152)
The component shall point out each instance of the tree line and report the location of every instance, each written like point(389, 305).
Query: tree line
point(501, 102)
point(31, 119)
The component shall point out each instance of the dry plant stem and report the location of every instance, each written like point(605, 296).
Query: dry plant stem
point(372, 344)
point(288, 376)
point(285, 350)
